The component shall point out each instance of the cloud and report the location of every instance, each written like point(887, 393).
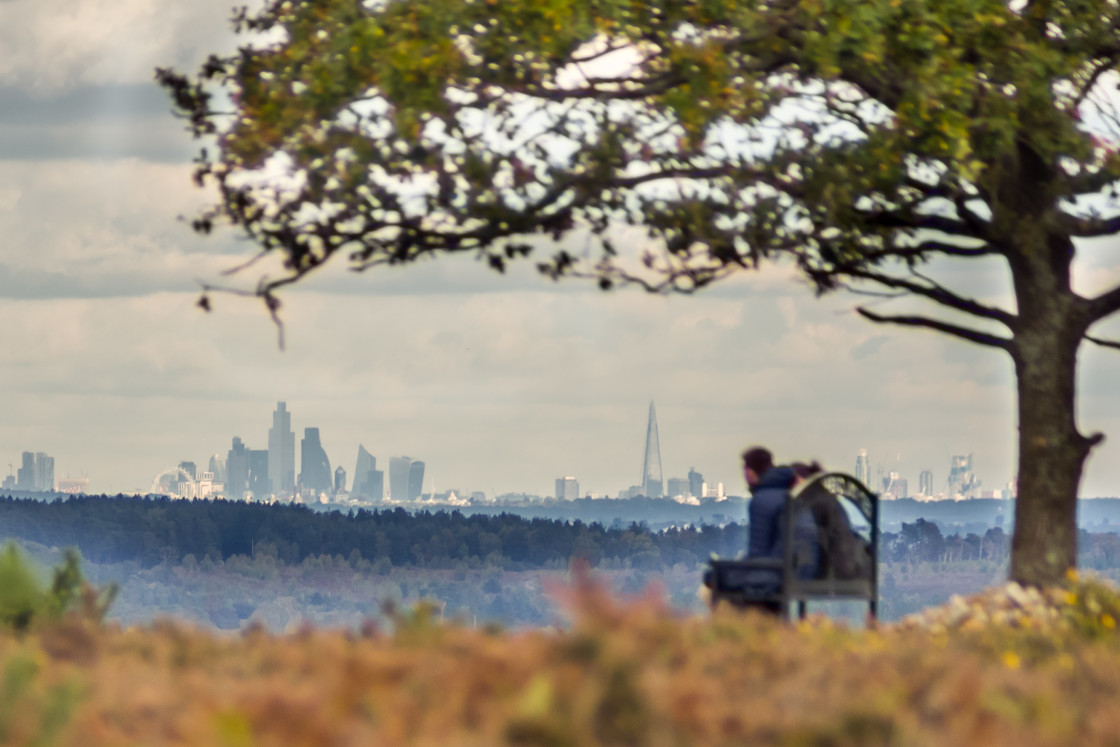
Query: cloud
point(869, 347)
point(82, 228)
point(58, 44)
point(495, 391)
point(96, 122)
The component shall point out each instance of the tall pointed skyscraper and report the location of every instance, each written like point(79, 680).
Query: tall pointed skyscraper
point(282, 451)
point(651, 462)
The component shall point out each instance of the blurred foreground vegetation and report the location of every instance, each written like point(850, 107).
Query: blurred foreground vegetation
point(1042, 669)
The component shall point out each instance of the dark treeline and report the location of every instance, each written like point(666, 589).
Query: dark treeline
point(923, 542)
point(150, 531)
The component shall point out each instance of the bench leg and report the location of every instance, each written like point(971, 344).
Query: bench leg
point(801, 609)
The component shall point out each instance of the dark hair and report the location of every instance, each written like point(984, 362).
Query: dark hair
point(803, 470)
point(757, 459)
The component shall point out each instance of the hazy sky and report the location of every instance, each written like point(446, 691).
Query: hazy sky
point(499, 384)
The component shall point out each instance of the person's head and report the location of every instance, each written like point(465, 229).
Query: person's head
point(802, 471)
point(756, 462)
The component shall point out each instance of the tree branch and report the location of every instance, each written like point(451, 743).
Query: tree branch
point(930, 246)
point(936, 292)
point(1091, 184)
point(1089, 227)
point(1105, 304)
point(972, 335)
point(940, 223)
point(1115, 344)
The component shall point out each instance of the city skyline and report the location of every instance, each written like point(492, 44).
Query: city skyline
point(247, 470)
point(500, 383)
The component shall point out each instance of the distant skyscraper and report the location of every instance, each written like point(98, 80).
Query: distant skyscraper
point(218, 468)
point(44, 472)
point(651, 460)
point(315, 468)
point(282, 451)
point(375, 486)
point(894, 486)
point(259, 482)
point(36, 472)
point(237, 470)
point(925, 482)
point(863, 468)
point(962, 480)
point(567, 488)
point(190, 468)
point(25, 475)
point(367, 463)
point(398, 477)
point(415, 480)
point(339, 479)
point(677, 486)
point(695, 483)
point(406, 478)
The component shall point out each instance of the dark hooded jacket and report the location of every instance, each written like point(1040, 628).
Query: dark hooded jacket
point(766, 539)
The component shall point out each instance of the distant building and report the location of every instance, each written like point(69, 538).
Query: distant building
point(363, 471)
point(652, 485)
point(44, 472)
point(36, 472)
point(260, 485)
point(567, 488)
point(925, 482)
point(415, 480)
point(962, 480)
point(73, 486)
point(677, 486)
point(398, 478)
point(339, 480)
point(315, 468)
point(25, 475)
point(406, 478)
point(863, 468)
point(190, 468)
point(713, 491)
point(218, 468)
point(237, 470)
point(374, 488)
point(9, 482)
point(695, 483)
point(894, 486)
point(207, 486)
point(282, 451)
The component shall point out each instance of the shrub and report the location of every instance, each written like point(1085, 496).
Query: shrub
point(25, 600)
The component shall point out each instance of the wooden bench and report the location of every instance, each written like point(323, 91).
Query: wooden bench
point(820, 495)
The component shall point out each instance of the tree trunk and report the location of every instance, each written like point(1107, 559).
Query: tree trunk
point(1052, 452)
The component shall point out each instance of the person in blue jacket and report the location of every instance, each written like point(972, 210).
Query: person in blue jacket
point(770, 486)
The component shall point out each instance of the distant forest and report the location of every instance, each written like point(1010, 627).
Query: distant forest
point(151, 531)
point(155, 530)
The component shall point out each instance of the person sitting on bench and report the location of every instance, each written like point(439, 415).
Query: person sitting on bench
point(770, 486)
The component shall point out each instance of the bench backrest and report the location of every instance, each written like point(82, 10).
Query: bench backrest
point(846, 516)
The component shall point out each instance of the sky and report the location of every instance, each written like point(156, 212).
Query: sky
point(499, 384)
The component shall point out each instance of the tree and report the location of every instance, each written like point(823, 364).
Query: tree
point(867, 142)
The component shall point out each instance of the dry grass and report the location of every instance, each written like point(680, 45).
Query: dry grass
point(627, 674)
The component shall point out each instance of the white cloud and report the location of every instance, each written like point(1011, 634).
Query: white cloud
point(48, 45)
